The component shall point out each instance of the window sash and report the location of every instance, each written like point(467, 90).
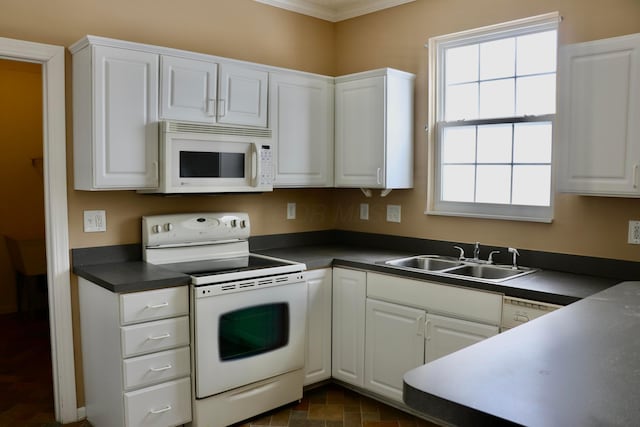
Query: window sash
point(437, 50)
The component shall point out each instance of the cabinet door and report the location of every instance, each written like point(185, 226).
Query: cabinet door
point(317, 366)
point(360, 133)
point(301, 119)
point(188, 89)
point(444, 335)
point(125, 136)
point(349, 294)
point(394, 345)
point(242, 96)
point(598, 132)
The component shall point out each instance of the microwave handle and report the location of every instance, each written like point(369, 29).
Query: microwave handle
point(255, 166)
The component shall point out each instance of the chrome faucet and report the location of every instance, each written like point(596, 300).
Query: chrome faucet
point(515, 253)
point(476, 251)
point(490, 257)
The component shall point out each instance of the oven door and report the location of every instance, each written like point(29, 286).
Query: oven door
point(247, 336)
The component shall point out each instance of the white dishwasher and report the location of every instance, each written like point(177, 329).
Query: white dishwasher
point(516, 311)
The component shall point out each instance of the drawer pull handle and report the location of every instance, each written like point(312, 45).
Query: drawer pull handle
point(161, 305)
point(160, 337)
point(163, 368)
point(161, 410)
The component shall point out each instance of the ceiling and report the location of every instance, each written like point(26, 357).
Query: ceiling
point(334, 10)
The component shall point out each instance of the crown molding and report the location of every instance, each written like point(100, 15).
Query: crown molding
point(334, 14)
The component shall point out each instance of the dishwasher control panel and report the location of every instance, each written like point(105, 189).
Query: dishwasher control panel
point(516, 311)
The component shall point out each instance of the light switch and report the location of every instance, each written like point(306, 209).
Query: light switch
point(364, 211)
point(291, 211)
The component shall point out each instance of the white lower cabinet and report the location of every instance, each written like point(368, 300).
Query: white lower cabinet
point(445, 335)
point(394, 345)
point(349, 294)
point(136, 356)
point(411, 322)
point(317, 364)
point(167, 404)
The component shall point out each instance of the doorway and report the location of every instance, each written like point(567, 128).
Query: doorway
point(25, 351)
point(51, 59)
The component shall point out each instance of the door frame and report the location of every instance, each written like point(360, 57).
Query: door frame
point(56, 216)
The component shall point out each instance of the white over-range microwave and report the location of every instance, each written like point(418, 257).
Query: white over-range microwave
point(199, 158)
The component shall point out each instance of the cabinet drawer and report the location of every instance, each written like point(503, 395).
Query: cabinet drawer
point(154, 336)
point(154, 368)
point(167, 404)
point(157, 304)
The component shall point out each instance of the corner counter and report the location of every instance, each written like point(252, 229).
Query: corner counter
point(577, 366)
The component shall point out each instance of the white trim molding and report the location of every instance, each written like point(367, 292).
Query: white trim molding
point(334, 10)
point(56, 217)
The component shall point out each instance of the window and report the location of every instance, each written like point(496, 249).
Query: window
point(492, 103)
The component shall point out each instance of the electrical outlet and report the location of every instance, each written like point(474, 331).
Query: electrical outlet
point(291, 211)
point(364, 211)
point(393, 213)
point(95, 221)
point(634, 233)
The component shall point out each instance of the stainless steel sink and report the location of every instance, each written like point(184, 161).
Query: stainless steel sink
point(426, 262)
point(467, 268)
point(489, 272)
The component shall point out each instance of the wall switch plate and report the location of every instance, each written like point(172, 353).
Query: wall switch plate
point(364, 211)
point(291, 211)
point(393, 213)
point(634, 233)
point(95, 221)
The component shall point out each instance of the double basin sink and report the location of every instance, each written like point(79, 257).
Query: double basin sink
point(460, 268)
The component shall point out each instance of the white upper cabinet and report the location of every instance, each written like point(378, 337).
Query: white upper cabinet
point(209, 92)
point(188, 89)
point(374, 130)
point(301, 119)
point(598, 126)
point(115, 105)
point(242, 95)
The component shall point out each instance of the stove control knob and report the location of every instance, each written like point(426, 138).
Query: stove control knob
point(243, 224)
point(234, 223)
point(155, 228)
point(168, 227)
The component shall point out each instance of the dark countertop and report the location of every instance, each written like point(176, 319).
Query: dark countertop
point(554, 287)
point(578, 366)
point(544, 285)
point(131, 276)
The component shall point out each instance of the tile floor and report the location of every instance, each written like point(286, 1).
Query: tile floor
point(26, 390)
point(335, 406)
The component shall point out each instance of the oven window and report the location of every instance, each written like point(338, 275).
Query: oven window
point(253, 330)
point(204, 164)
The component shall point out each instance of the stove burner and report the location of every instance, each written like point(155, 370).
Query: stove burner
point(224, 265)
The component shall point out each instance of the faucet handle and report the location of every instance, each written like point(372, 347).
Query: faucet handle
point(461, 256)
point(490, 258)
point(515, 253)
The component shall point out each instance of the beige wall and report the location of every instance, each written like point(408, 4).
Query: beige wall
point(21, 188)
point(594, 226)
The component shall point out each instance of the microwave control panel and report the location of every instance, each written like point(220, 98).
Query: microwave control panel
point(266, 175)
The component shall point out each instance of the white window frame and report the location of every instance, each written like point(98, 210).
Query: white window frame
point(437, 47)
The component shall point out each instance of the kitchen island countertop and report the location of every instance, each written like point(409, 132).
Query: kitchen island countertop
point(578, 366)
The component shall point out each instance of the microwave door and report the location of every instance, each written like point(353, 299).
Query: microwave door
point(211, 167)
